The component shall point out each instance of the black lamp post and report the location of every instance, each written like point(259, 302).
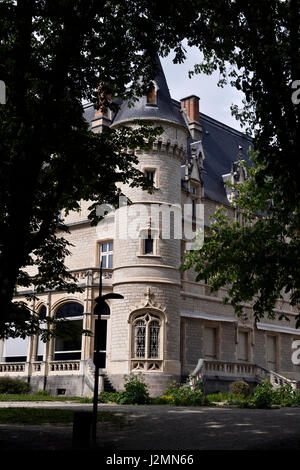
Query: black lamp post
point(101, 307)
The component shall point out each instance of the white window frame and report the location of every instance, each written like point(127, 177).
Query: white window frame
point(106, 254)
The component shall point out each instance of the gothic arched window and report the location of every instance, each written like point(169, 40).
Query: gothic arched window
point(146, 336)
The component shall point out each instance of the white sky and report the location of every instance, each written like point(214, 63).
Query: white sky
point(214, 101)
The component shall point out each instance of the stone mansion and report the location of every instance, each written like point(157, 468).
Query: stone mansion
point(167, 325)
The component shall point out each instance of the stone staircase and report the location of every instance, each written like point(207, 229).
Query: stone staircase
point(213, 372)
point(89, 379)
point(108, 387)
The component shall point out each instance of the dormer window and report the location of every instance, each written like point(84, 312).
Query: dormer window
point(151, 96)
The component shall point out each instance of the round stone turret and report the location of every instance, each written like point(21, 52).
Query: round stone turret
point(145, 326)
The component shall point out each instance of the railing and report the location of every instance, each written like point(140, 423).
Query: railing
point(89, 376)
point(12, 367)
point(276, 379)
point(64, 366)
point(91, 276)
point(211, 367)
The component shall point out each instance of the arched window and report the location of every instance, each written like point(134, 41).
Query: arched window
point(146, 336)
point(69, 348)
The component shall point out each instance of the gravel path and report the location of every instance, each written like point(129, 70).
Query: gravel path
point(167, 428)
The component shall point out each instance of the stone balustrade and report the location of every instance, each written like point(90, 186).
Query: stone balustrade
point(237, 370)
point(64, 367)
point(90, 276)
point(12, 367)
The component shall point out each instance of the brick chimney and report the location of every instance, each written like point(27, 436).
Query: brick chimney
point(190, 105)
point(102, 118)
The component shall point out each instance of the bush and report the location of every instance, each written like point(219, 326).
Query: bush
point(13, 386)
point(286, 395)
point(239, 388)
point(263, 395)
point(163, 400)
point(183, 395)
point(136, 392)
point(217, 397)
point(108, 397)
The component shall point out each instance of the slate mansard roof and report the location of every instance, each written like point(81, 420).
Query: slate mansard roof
point(221, 146)
point(163, 110)
point(221, 143)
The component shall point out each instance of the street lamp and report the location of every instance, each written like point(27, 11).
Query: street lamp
point(101, 306)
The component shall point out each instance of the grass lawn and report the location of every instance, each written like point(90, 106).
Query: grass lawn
point(50, 416)
point(41, 397)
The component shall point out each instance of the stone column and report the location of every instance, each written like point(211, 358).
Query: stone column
point(87, 317)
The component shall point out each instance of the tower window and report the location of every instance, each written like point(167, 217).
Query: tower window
point(148, 244)
point(150, 175)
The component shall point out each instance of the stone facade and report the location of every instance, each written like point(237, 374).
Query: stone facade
point(166, 321)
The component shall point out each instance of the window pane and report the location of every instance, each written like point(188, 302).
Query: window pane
point(150, 176)
point(74, 344)
point(154, 339)
point(41, 345)
point(104, 261)
point(140, 339)
point(110, 246)
point(70, 309)
point(110, 261)
point(104, 247)
point(149, 245)
point(243, 346)
point(271, 352)
point(15, 349)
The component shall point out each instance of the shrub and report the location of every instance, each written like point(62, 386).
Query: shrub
point(108, 397)
point(263, 395)
point(183, 395)
point(296, 399)
point(136, 392)
point(13, 386)
point(286, 395)
point(163, 400)
point(217, 397)
point(239, 388)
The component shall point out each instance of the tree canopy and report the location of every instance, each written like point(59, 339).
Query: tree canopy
point(55, 54)
point(256, 47)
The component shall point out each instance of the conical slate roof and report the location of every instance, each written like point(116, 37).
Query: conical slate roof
point(163, 110)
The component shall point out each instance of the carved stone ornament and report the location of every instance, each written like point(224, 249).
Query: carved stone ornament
point(148, 302)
